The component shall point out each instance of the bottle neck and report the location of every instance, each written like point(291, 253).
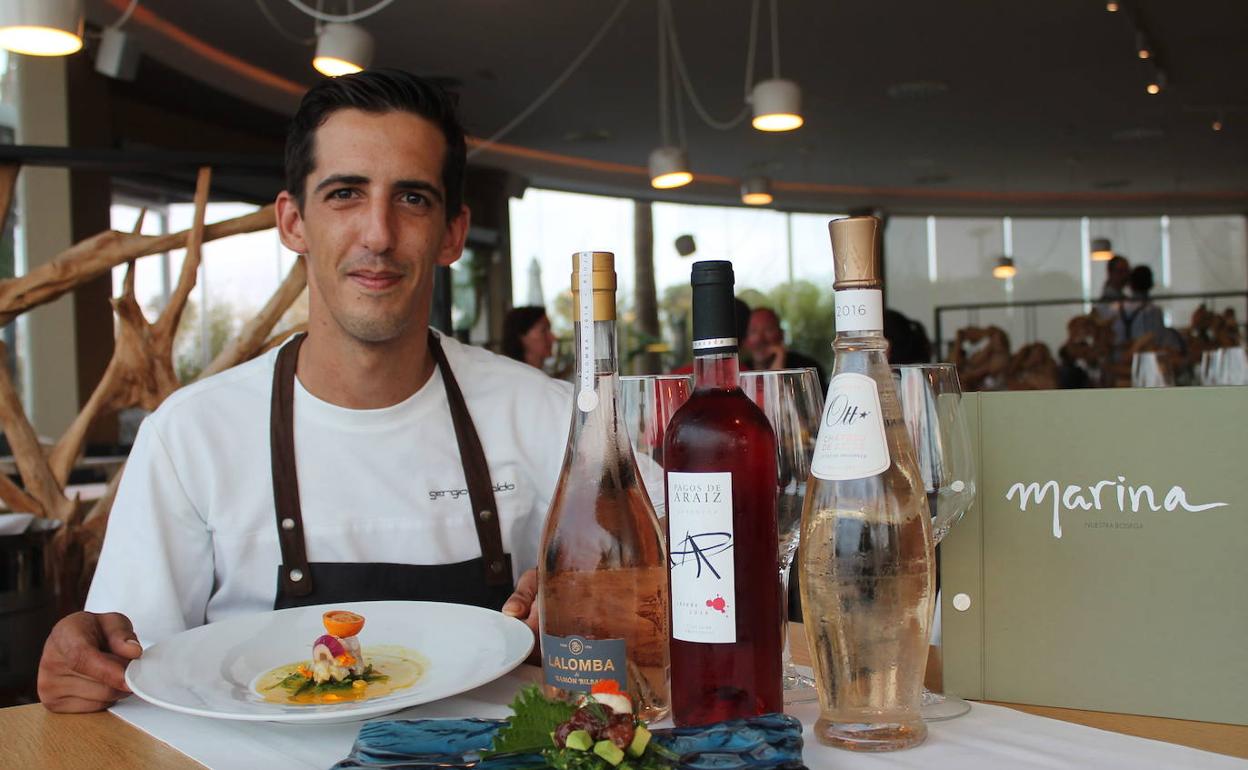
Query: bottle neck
point(602, 359)
point(716, 371)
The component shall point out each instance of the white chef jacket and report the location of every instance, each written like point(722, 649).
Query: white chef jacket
point(192, 537)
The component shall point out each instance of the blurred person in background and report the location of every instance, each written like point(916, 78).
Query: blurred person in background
point(907, 339)
point(527, 336)
point(764, 343)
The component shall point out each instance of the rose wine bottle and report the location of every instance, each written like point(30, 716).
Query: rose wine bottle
point(602, 568)
point(867, 577)
point(720, 459)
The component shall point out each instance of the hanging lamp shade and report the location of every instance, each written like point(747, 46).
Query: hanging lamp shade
point(756, 191)
point(777, 105)
point(342, 49)
point(41, 27)
point(1004, 268)
point(1102, 250)
point(669, 168)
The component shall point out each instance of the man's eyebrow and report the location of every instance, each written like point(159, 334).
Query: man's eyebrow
point(419, 185)
point(333, 179)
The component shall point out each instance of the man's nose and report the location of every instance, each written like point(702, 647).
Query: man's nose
point(378, 231)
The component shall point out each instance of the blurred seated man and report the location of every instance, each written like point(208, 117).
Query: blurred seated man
point(331, 469)
point(764, 343)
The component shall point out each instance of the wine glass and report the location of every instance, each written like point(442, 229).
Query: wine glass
point(647, 402)
point(1150, 370)
point(931, 408)
point(793, 403)
point(1232, 367)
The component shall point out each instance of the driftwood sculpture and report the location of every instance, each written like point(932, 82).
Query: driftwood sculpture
point(140, 374)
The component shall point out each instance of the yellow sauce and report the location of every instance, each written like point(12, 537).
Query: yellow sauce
point(401, 667)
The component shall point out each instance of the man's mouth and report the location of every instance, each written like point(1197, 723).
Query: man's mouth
point(374, 280)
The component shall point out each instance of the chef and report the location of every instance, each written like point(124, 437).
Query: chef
point(370, 458)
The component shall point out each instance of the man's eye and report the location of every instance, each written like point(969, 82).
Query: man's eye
point(343, 193)
point(415, 199)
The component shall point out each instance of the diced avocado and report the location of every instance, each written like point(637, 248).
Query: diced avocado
point(580, 740)
point(641, 739)
point(609, 751)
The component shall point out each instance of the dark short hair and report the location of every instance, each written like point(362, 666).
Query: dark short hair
point(377, 91)
point(517, 323)
point(1141, 280)
point(1115, 260)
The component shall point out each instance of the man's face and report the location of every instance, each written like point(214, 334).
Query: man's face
point(1119, 272)
point(373, 224)
point(763, 334)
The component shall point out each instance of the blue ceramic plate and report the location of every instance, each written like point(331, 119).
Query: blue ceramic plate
point(769, 742)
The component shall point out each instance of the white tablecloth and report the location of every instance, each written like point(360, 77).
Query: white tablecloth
point(988, 738)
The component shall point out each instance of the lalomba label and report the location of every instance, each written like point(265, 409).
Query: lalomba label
point(851, 443)
point(575, 663)
point(704, 589)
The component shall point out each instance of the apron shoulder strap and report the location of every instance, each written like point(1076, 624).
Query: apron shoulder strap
point(476, 474)
point(296, 577)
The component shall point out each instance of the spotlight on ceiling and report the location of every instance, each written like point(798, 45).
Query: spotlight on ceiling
point(1217, 124)
point(342, 49)
point(1004, 268)
point(777, 105)
point(1143, 48)
point(1102, 250)
point(41, 27)
point(669, 168)
point(1111, 6)
point(756, 191)
point(1156, 83)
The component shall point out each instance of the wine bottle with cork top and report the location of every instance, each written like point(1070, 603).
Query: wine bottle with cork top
point(602, 567)
point(721, 470)
point(867, 577)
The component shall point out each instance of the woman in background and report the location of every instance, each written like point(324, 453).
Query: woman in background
point(527, 336)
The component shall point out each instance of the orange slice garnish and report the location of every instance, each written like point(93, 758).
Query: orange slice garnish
point(342, 624)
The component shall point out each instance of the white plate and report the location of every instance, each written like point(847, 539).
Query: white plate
point(209, 671)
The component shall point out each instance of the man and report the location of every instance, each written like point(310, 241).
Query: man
point(764, 341)
point(349, 464)
point(1117, 274)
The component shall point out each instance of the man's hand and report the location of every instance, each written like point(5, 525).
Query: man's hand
point(84, 662)
point(523, 605)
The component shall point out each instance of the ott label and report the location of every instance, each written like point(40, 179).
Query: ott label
point(851, 443)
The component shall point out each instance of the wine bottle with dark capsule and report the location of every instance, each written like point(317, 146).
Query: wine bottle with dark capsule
point(720, 460)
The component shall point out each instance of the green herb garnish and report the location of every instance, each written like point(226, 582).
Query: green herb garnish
point(529, 729)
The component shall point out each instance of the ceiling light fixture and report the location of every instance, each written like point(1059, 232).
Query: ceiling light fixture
point(777, 102)
point(756, 191)
point(41, 27)
point(1004, 268)
point(1102, 250)
point(1156, 83)
point(1142, 47)
point(1111, 6)
point(1217, 124)
point(669, 168)
point(669, 163)
point(342, 49)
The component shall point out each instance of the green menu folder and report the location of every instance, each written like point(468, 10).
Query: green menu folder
point(1104, 564)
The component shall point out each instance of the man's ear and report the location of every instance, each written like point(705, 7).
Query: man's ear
point(456, 236)
point(290, 223)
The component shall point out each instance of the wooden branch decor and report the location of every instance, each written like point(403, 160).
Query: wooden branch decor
point(141, 372)
point(100, 253)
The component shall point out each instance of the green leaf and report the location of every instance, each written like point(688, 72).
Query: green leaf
point(529, 729)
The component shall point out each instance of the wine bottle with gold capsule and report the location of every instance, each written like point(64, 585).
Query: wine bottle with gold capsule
point(867, 578)
point(602, 568)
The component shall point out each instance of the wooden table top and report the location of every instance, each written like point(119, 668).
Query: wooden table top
point(36, 738)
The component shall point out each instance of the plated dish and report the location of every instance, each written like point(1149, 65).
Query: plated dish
point(426, 650)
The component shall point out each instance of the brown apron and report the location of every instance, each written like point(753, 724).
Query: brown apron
point(484, 581)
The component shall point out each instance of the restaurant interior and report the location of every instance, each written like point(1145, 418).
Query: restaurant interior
point(1063, 194)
